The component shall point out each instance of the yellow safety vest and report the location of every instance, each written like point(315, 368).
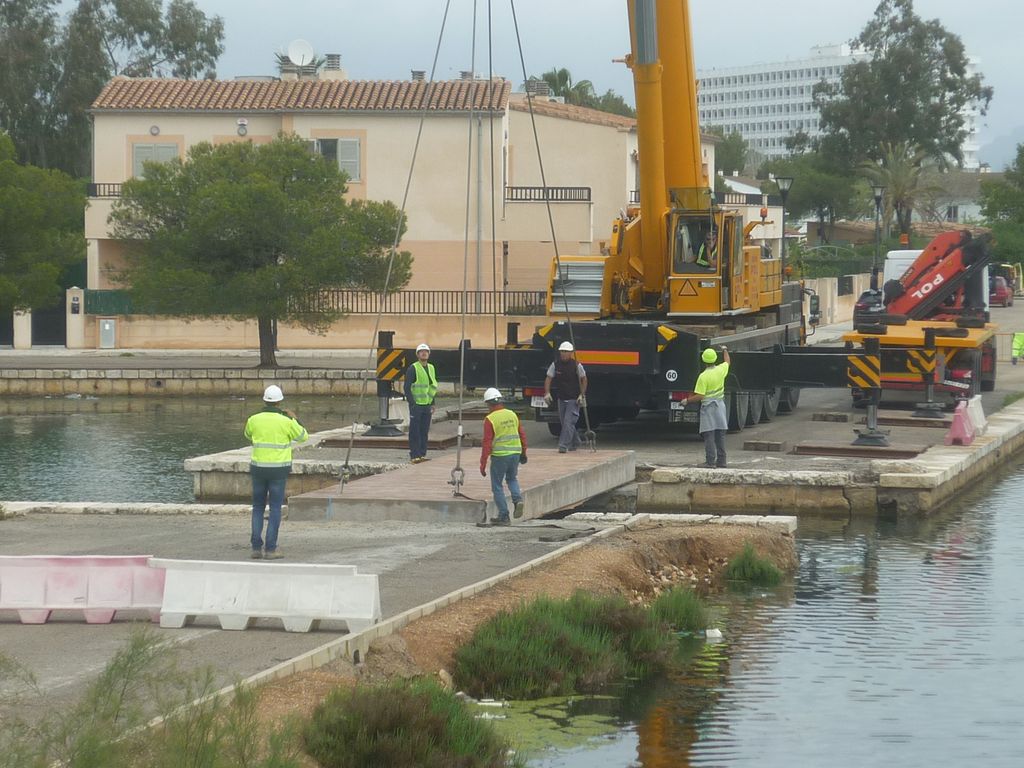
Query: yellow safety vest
point(425, 386)
point(506, 433)
point(711, 383)
point(1018, 344)
point(273, 434)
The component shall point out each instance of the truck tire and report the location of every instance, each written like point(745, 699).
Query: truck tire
point(789, 397)
point(989, 384)
point(738, 404)
point(755, 409)
point(771, 405)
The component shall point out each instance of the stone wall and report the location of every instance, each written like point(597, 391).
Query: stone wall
point(178, 382)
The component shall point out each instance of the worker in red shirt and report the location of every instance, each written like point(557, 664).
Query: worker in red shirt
point(505, 444)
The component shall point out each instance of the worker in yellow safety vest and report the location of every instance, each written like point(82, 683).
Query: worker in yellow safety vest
point(1018, 347)
point(709, 391)
point(273, 431)
point(505, 445)
point(420, 390)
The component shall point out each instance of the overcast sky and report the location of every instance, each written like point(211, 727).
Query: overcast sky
point(384, 39)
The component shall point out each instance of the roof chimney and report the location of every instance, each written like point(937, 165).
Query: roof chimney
point(331, 69)
point(419, 75)
point(466, 75)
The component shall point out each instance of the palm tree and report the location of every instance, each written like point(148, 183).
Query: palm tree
point(899, 169)
point(561, 84)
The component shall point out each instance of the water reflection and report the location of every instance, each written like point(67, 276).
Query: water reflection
point(129, 449)
point(896, 644)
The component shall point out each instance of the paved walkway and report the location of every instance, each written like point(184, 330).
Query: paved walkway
point(416, 563)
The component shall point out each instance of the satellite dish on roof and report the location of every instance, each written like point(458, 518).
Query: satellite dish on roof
point(300, 53)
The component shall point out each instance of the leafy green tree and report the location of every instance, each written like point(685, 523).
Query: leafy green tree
point(252, 231)
point(50, 75)
point(913, 89)
point(731, 152)
point(819, 189)
point(40, 231)
point(28, 71)
point(1003, 208)
point(612, 102)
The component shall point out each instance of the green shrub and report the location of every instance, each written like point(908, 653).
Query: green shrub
point(681, 609)
point(107, 727)
point(748, 567)
point(559, 647)
point(401, 724)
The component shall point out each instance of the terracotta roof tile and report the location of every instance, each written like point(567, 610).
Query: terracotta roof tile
point(543, 106)
point(123, 93)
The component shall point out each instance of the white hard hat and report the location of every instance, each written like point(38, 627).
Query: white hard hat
point(273, 394)
point(565, 346)
point(492, 395)
point(422, 347)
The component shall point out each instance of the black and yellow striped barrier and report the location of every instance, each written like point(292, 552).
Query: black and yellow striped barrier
point(390, 364)
point(864, 371)
point(921, 361)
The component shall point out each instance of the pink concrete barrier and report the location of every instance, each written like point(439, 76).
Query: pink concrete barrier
point(962, 430)
point(97, 585)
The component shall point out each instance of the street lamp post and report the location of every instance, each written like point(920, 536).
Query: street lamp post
point(878, 190)
point(784, 183)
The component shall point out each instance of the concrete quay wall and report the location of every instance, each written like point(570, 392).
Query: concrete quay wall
point(894, 488)
point(178, 382)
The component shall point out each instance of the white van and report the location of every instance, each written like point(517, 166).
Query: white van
point(897, 262)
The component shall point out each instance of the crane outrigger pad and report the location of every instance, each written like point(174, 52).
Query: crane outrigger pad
point(420, 492)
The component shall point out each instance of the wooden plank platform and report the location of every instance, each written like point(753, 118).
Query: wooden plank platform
point(905, 451)
point(905, 419)
point(421, 492)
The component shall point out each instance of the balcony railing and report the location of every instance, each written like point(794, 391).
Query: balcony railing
point(547, 194)
point(739, 198)
point(104, 189)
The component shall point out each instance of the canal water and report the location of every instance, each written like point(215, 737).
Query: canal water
point(132, 449)
point(894, 644)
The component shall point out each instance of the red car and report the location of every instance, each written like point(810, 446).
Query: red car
point(1000, 292)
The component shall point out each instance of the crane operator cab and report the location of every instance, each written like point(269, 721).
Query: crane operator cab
point(695, 247)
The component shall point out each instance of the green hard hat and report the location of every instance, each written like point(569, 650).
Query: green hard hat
point(709, 356)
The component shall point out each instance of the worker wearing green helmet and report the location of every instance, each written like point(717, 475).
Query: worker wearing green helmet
point(709, 391)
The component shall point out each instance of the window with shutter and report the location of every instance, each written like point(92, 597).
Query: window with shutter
point(348, 158)
point(155, 153)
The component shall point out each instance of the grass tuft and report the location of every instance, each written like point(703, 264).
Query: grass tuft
point(752, 569)
point(402, 723)
point(560, 647)
point(681, 609)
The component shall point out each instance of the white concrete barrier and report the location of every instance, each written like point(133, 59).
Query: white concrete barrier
point(977, 415)
point(97, 585)
point(301, 595)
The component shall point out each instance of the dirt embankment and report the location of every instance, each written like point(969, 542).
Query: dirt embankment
point(638, 564)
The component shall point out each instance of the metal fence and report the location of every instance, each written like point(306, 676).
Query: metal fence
point(353, 302)
point(432, 302)
point(547, 194)
point(107, 303)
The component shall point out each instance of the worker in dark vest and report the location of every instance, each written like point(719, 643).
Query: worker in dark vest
point(505, 445)
point(567, 378)
point(273, 432)
point(420, 390)
point(709, 391)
